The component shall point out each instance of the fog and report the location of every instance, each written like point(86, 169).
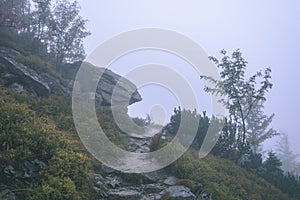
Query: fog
point(266, 32)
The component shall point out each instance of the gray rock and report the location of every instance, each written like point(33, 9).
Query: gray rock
point(124, 193)
point(205, 196)
point(112, 182)
point(171, 180)
point(22, 74)
point(180, 192)
point(152, 177)
point(151, 197)
point(97, 178)
point(13, 72)
point(125, 92)
point(153, 188)
point(16, 87)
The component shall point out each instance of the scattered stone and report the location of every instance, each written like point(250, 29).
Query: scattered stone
point(152, 177)
point(15, 87)
point(180, 192)
point(151, 197)
point(153, 188)
point(171, 180)
point(97, 178)
point(194, 186)
point(122, 194)
point(112, 182)
point(205, 196)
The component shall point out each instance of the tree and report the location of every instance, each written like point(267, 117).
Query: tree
point(41, 18)
point(226, 146)
point(257, 127)
point(286, 155)
point(66, 33)
point(13, 13)
point(240, 94)
point(272, 171)
point(186, 121)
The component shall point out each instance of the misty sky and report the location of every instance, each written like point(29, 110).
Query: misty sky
point(266, 32)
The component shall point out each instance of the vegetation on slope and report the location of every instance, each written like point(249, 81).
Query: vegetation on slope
point(41, 156)
point(224, 179)
point(37, 160)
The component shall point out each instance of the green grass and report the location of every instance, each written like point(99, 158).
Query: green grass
point(28, 139)
point(224, 179)
point(38, 65)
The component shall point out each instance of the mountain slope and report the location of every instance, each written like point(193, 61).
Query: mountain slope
point(41, 156)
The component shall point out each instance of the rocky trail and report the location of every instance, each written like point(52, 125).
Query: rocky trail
point(114, 185)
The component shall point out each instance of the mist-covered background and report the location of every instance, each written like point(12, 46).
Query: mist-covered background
point(266, 32)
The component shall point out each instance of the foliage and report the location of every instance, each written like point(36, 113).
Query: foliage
point(223, 178)
point(10, 38)
point(67, 30)
point(110, 128)
point(35, 156)
point(240, 94)
point(14, 13)
point(41, 18)
point(142, 121)
point(52, 30)
point(227, 146)
point(189, 121)
point(286, 155)
point(257, 127)
point(157, 142)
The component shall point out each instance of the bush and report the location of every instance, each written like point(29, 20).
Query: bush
point(223, 178)
point(35, 156)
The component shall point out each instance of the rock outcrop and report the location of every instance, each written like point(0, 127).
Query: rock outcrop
point(15, 75)
point(18, 77)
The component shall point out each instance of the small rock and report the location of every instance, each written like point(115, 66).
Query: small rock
point(151, 197)
point(151, 177)
point(180, 192)
point(15, 87)
point(124, 194)
point(112, 182)
point(194, 186)
point(99, 183)
point(205, 196)
point(153, 188)
point(171, 180)
point(97, 178)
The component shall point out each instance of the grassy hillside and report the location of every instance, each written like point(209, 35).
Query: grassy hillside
point(41, 156)
point(38, 160)
point(42, 129)
point(224, 179)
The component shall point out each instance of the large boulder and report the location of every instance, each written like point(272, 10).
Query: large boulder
point(18, 77)
point(14, 73)
point(125, 92)
point(180, 192)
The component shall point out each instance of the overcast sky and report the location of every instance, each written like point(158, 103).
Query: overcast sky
point(266, 32)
